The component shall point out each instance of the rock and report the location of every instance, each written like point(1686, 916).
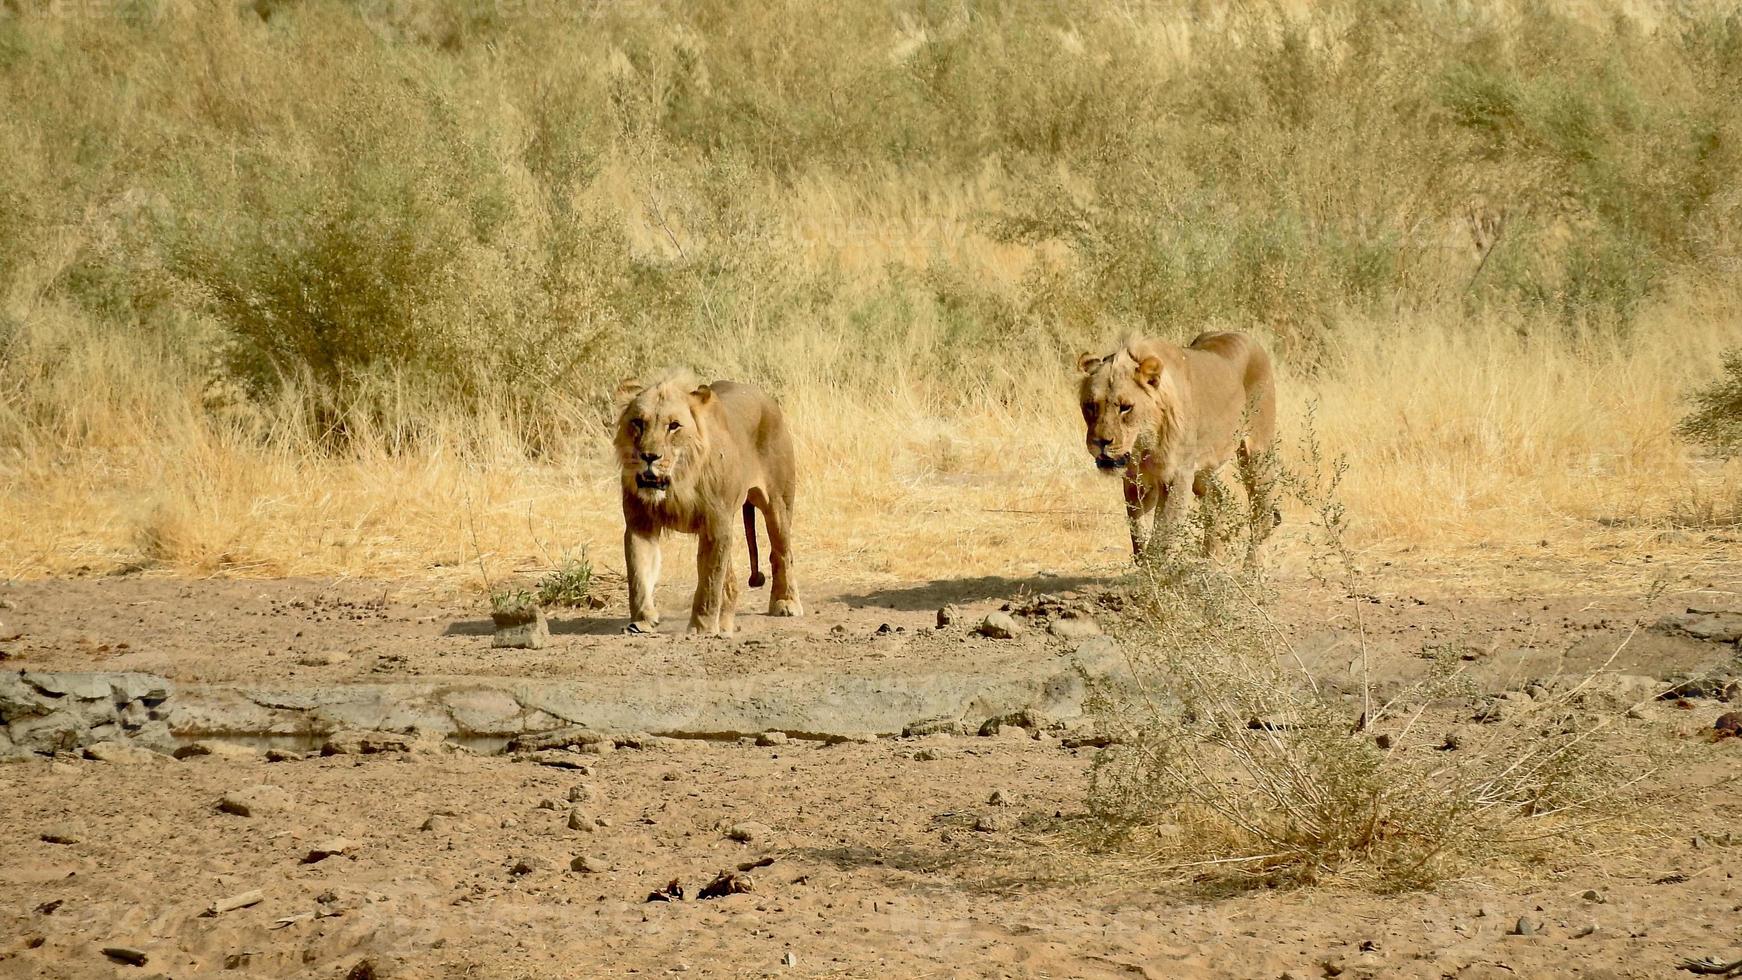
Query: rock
point(998, 626)
point(927, 755)
point(71, 684)
point(210, 747)
point(1715, 625)
point(547, 804)
point(356, 741)
point(234, 902)
point(121, 754)
point(1729, 725)
point(948, 615)
point(556, 759)
point(437, 823)
point(599, 748)
point(995, 823)
point(1589, 928)
point(934, 726)
point(750, 832)
point(1594, 896)
point(1001, 797)
point(284, 755)
point(63, 834)
point(771, 738)
point(1074, 627)
point(254, 801)
point(587, 864)
point(1523, 927)
point(727, 883)
point(672, 892)
point(329, 848)
point(526, 864)
point(789, 960)
point(581, 793)
point(126, 954)
point(580, 821)
point(523, 629)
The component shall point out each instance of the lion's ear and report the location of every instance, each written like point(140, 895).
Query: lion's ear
point(627, 391)
point(1149, 370)
point(1087, 363)
point(701, 396)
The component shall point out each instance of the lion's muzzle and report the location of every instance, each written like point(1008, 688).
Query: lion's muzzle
point(647, 480)
point(1113, 462)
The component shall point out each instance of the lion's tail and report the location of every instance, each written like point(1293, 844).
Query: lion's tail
point(756, 577)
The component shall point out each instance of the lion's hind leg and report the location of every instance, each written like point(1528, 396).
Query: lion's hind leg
point(1258, 475)
point(777, 514)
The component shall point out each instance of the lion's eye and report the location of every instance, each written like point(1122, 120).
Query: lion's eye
point(1124, 409)
point(635, 426)
point(1089, 410)
point(673, 427)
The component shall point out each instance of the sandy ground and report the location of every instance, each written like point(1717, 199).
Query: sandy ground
point(459, 865)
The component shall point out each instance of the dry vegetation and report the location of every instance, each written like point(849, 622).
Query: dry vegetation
point(318, 288)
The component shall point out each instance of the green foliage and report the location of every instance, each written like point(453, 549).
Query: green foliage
point(1716, 419)
point(568, 584)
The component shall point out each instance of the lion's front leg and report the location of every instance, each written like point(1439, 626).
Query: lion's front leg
point(716, 602)
point(641, 558)
point(1171, 499)
point(1139, 504)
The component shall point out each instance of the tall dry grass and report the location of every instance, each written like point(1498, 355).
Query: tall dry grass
point(321, 288)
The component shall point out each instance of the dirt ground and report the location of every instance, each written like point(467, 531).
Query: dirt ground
point(888, 858)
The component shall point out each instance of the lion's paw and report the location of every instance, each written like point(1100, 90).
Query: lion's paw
point(785, 607)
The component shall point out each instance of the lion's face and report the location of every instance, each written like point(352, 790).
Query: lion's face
point(659, 436)
point(1120, 407)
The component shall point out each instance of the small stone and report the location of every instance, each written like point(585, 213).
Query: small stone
point(933, 726)
point(771, 738)
point(1728, 725)
point(526, 864)
point(121, 754)
point(927, 755)
point(557, 759)
point(1636, 713)
point(580, 821)
point(365, 742)
point(284, 755)
point(437, 823)
point(948, 615)
point(329, 848)
point(547, 804)
point(1074, 627)
point(588, 864)
point(508, 823)
point(126, 954)
point(998, 626)
point(599, 748)
point(61, 835)
point(789, 960)
point(215, 748)
point(681, 968)
point(750, 832)
point(234, 902)
point(1001, 797)
point(995, 823)
point(581, 793)
point(1594, 896)
point(254, 801)
point(1523, 927)
point(1587, 929)
point(524, 629)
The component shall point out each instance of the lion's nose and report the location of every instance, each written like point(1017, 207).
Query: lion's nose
point(650, 457)
point(1102, 444)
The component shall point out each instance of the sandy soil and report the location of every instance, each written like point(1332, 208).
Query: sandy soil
point(459, 865)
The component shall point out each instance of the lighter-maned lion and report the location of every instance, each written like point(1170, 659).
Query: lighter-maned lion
point(694, 458)
point(1165, 417)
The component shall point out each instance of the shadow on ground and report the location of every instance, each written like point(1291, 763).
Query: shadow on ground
point(987, 587)
point(568, 626)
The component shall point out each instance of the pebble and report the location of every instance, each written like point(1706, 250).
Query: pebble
point(750, 832)
point(995, 823)
point(789, 960)
point(771, 738)
point(526, 864)
point(126, 954)
point(547, 804)
point(329, 848)
point(284, 755)
point(1074, 627)
point(120, 753)
point(213, 747)
point(254, 801)
point(580, 821)
point(1594, 896)
point(1523, 927)
point(998, 626)
point(1001, 797)
point(234, 902)
point(583, 793)
point(927, 755)
point(437, 822)
point(60, 835)
point(590, 865)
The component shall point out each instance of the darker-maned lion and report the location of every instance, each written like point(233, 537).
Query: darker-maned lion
point(1165, 417)
point(694, 458)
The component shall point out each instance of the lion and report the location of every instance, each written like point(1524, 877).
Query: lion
point(1161, 415)
point(693, 458)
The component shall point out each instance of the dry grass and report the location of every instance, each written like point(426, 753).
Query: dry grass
point(312, 290)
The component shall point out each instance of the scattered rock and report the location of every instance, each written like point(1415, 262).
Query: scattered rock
point(995, 823)
point(120, 753)
point(61, 835)
point(750, 832)
point(253, 801)
point(771, 738)
point(126, 954)
point(927, 755)
point(1728, 725)
point(1716, 625)
point(234, 902)
point(727, 883)
point(998, 626)
point(522, 629)
point(581, 793)
point(789, 960)
point(212, 747)
point(548, 804)
point(1074, 627)
point(47, 908)
point(672, 892)
point(1524, 927)
point(329, 848)
point(284, 755)
point(1589, 928)
point(437, 823)
point(934, 726)
point(571, 737)
point(363, 742)
point(1699, 687)
point(588, 864)
point(556, 759)
point(526, 864)
point(948, 615)
point(1001, 797)
point(1594, 896)
point(580, 821)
